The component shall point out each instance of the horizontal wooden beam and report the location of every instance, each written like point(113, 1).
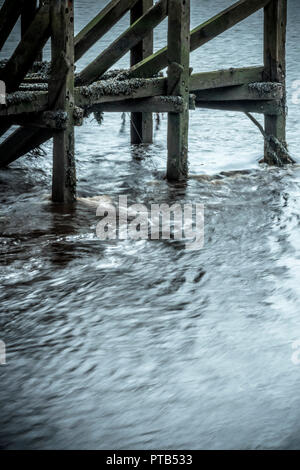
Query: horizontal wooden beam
point(24, 102)
point(134, 34)
point(116, 90)
point(36, 79)
point(198, 81)
point(26, 52)
point(252, 91)
point(201, 35)
point(33, 87)
point(100, 25)
point(112, 90)
point(56, 120)
point(9, 15)
point(157, 104)
point(273, 108)
point(225, 78)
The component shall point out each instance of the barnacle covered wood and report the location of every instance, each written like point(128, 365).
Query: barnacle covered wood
point(160, 104)
point(115, 89)
point(24, 102)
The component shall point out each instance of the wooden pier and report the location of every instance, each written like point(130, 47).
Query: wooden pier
point(46, 100)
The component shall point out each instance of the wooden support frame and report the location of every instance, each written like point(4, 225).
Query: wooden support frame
point(108, 91)
point(27, 16)
point(28, 13)
point(100, 25)
point(225, 78)
point(3, 129)
point(61, 97)
point(124, 43)
point(9, 15)
point(250, 92)
point(200, 35)
point(28, 102)
point(178, 85)
point(34, 33)
point(275, 21)
point(156, 104)
point(141, 123)
point(32, 103)
point(28, 49)
point(56, 120)
point(272, 108)
point(20, 142)
point(44, 114)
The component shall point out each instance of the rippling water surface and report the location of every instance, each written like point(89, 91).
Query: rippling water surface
point(123, 344)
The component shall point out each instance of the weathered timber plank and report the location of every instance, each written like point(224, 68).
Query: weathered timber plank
point(272, 108)
point(201, 35)
point(112, 90)
point(252, 91)
point(25, 102)
point(225, 20)
point(22, 141)
point(28, 14)
point(157, 104)
point(61, 97)
point(141, 123)
point(56, 120)
point(130, 38)
point(178, 84)
point(275, 21)
point(224, 78)
point(5, 126)
point(100, 25)
point(9, 15)
point(26, 52)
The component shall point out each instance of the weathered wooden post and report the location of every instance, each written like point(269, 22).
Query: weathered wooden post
point(275, 21)
point(28, 13)
point(178, 85)
point(141, 123)
point(61, 99)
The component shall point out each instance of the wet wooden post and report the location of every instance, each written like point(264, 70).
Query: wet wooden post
point(27, 16)
point(275, 21)
point(61, 98)
point(178, 85)
point(141, 123)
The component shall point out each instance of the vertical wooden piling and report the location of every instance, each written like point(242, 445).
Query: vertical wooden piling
point(141, 123)
point(275, 21)
point(61, 98)
point(178, 85)
point(27, 16)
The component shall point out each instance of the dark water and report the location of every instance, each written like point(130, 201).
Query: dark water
point(144, 344)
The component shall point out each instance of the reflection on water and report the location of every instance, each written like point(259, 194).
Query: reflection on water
point(125, 344)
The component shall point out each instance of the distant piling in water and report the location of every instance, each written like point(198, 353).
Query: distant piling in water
point(47, 100)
